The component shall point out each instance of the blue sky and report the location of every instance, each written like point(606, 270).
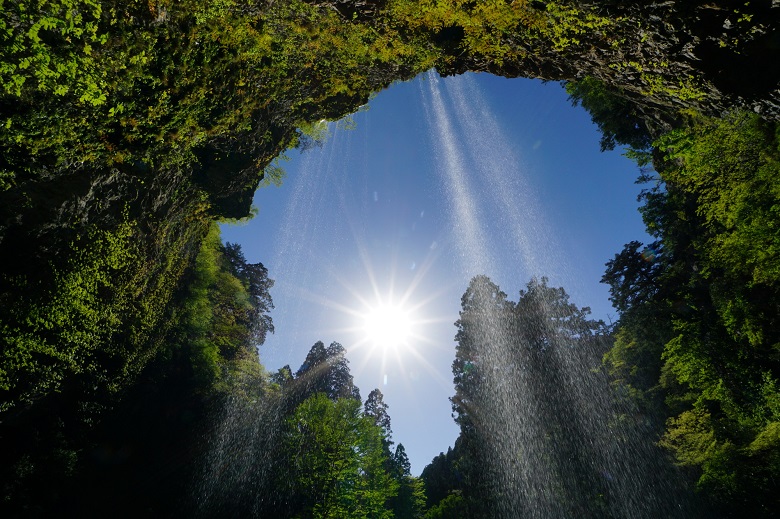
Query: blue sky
point(440, 180)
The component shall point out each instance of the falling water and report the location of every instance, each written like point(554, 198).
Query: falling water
point(317, 169)
point(241, 465)
point(485, 186)
point(504, 179)
point(533, 479)
point(466, 218)
point(314, 210)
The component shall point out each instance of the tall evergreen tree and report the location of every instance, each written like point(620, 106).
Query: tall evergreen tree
point(555, 347)
point(254, 277)
point(410, 501)
point(376, 408)
point(401, 460)
point(539, 429)
point(326, 370)
point(441, 476)
point(483, 338)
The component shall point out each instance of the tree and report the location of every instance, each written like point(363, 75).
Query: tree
point(254, 277)
point(451, 506)
point(645, 325)
point(283, 376)
point(482, 331)
point(410, 501)
point(155, 422)
point(556, 347)
point(441, 476)
point(483, 338)
point(700, 314)
point(616, 116)
point(326, 370)
point(376, 408)
point(401, 461)
point(337, 461)
point(540, 431)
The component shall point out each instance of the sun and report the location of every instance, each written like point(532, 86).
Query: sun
point(387, 326)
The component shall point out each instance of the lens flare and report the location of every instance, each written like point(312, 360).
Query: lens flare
point(387, 326)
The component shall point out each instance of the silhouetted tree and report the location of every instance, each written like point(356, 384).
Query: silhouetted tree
point(410, 501)
point(326, 370)
point(441, 476)
point(483, 339)
point(513, 395)
point(401, 460)
point(376, 408)
point(254, 277)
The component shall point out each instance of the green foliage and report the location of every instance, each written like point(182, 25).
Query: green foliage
point(692, 436)
point(451, 506)
point(337, 460)
point(615, 115)
point(68, 330)
point(568, 25)
point(488, 32)
point(31, 57)
point(410, 501)
point(633, 362)
point(700, 314)
point(116, 348)
point(732, 167)
point(441, 476)
point(273, 174)
point(224, 316)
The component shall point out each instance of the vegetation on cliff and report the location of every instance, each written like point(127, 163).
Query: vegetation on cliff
point(697, 340)
point(127, 128)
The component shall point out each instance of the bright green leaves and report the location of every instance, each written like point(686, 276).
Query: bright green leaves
point(691, 437)
point(59, 334)
point(454, 505)
point(480, 29)
point(732, 169)
point(708, 309)
point(566, 25)
point(337, 460)
point(47, 46)
point(95, 312)
point(767, 440)
point(219, 315)
point(496, 31)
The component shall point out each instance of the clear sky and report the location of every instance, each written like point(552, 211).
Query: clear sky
point(440, 180)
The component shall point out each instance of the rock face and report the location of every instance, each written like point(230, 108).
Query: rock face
point(102, 207)
point(665, 56)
